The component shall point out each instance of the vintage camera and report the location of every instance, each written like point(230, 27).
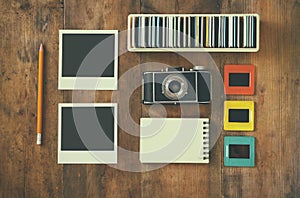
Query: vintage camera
point(175, 85)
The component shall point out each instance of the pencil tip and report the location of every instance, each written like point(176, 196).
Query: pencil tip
point(41, 46)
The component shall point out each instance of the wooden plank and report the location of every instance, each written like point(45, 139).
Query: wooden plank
point(175, 180)
point(26, 171)
point(29, 170)
point(13, 130)
point(13, 127)
point(198, 7)
point(47, 18)
point(164, 181)
point(290, 91)
point(268, 176)
point(237, 182)
point(233, 182)
point(209, 176)
point(107, 180)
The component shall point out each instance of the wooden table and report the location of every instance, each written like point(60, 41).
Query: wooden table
point(28, 170)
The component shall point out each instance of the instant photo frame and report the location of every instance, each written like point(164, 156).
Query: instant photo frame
point(88, 60)
point(87, 133)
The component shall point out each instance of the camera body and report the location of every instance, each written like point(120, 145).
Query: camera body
point(176, 85)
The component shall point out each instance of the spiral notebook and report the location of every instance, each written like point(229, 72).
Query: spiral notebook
point(174, 140)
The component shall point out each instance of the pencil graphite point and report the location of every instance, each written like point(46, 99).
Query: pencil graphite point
point(41, 47)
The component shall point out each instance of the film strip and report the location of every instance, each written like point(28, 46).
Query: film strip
point(223, 32)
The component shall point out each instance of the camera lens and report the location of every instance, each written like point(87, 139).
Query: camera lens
point(174, 86)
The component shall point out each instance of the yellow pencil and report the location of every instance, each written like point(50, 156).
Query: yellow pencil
point(40, 96)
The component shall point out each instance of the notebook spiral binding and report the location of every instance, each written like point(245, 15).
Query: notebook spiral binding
point(205, 149)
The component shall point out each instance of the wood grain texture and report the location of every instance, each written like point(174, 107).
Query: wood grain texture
point(174, 180)
point(103, 180)
point(275, 130)
point(28, 170)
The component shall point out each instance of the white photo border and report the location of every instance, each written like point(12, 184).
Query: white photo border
point(88, 83)
point(88, 157)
